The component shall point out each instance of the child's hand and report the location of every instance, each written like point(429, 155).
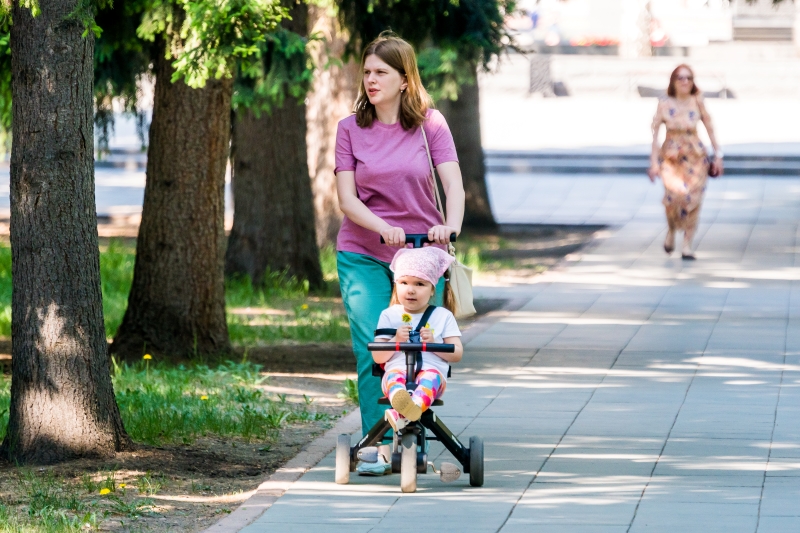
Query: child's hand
point(426, 335)
point(402, 333)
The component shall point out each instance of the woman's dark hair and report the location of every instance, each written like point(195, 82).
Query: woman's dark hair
point(674, 77)
point(414, 101)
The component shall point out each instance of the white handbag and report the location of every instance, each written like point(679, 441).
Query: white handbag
point(460, 276)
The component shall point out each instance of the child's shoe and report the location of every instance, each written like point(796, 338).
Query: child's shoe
point(395, 419)
point(404, 405)
point(378, 468)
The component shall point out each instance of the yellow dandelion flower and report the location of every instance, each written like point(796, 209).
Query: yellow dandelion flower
point(147, 357)
point(304, 306)
point(103, 492)
point(204, 397)
point(122, 485)
point(406, 318)
point(427, 325)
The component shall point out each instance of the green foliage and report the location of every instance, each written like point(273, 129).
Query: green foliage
point(284, 69)
point(120, 60)
point(116, 277)
point(461, 34)
point(205, 37)
point(5, 86)
point(443, 72)
point(350, 391)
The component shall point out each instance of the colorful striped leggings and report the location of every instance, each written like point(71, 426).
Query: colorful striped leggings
point(430, 386)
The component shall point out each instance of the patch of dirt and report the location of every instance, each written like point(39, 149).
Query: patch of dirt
point(195, 485)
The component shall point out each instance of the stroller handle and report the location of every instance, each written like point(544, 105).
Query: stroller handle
point(418, 239)
point(410, 347)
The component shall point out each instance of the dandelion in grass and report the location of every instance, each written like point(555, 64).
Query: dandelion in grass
point(122, 485)
point(304, 307)
point(105, 491)
point(204, 397)
point(147, 357)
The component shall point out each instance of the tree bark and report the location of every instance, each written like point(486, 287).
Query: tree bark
point(463, 117)
point(273, 217)
point(331, 99)
point(176, 307)
point(62, 399)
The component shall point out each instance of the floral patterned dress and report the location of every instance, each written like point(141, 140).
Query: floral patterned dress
point(683, 160)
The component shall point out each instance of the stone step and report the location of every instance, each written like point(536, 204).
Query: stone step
point(519, 162)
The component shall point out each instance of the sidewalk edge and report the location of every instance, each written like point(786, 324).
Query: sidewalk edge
point(279, 482)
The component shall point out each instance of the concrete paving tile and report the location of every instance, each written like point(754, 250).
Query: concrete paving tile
point(513, 526)
point(778, 524)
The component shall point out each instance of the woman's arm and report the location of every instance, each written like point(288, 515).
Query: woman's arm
point(709, 125)
point(655, 169)
point(453, 185)
point(359, 213)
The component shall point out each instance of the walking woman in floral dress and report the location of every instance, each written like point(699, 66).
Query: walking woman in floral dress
point(682, 161)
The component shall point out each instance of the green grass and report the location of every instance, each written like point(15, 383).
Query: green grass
point(304, 318)
point(53, 505)
point(178, 404)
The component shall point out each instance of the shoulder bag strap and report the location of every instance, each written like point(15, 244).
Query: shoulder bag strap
point(433, 175)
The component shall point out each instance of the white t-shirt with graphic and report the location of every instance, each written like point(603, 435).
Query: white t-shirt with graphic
point(441, 322)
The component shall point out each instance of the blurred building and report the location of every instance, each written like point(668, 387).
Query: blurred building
point(637, 28)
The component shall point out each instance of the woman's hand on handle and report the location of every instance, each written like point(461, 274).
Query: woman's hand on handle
point(441, 234)
point(394, 236)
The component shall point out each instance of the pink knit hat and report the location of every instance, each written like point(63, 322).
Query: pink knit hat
point(427, 263)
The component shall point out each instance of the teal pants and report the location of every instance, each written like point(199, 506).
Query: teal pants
point(366, 285)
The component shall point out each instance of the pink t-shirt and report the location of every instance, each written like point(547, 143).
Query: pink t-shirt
point(392, 177)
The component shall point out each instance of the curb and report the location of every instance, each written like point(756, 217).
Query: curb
point(279, 482)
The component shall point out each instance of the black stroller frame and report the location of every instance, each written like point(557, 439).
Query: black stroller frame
point(409, 457)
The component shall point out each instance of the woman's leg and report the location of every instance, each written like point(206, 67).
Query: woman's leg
point(430, 386)
point(366, 285)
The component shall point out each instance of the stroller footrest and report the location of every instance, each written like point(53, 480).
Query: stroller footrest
point(385, 401)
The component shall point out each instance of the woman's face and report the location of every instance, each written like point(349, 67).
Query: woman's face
point(414, 293)
point(684, 82)
point(381, 82)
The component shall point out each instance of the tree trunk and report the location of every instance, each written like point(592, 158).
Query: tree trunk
point(463, 117)
point(62, 399)
point(331, 99)
point(176, 306)
point(273, 217)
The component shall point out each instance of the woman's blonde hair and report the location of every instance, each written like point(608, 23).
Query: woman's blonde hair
point(449, 300)
point(414, 101)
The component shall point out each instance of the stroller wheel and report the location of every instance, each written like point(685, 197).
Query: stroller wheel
point(408, 463)
point(342, 476)
point(476, 461)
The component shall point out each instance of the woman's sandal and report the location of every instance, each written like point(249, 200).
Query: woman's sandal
point(403, 404)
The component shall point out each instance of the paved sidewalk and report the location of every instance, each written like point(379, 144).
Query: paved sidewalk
point(630, 393)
